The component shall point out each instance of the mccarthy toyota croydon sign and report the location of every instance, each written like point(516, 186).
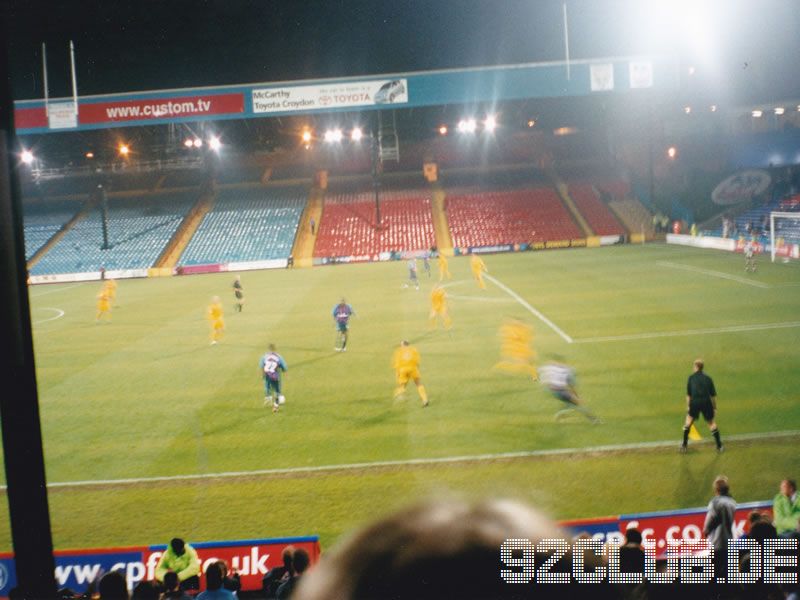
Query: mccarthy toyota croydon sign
point(337, 95)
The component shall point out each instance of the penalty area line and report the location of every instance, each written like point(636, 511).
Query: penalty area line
point(710, 273)
point(605, 449)
point(58, 311)
point(530, 308)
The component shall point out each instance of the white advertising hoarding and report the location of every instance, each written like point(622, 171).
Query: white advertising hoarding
point(336, 95)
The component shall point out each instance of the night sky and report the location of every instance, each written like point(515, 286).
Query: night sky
point(751, 48)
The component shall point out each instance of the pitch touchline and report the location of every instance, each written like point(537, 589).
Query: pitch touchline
point(659, 334)
point(416, 461)
point(672, 265)
point(61, 289)
point(530, 308)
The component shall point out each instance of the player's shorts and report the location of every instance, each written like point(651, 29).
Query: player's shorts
point(272, 384)
point(342, 325)
point(412, 275)
point(564, 396)
point(239, 295)
point(218, 325)
point(704, 407)
point(102, 306)
point(406, 375)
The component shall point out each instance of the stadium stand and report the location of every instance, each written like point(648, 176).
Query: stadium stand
point(597, 214)
point(247, 225)
point(184, 178)
point(509, 217)
point(348, 225)
point(138, 228)
point(43, 220)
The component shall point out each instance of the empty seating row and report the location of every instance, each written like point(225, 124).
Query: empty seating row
point(138, 230)
point(247, 225)
point(43, 220)
point(509, 217)
point(349, 223)
point(599, 217)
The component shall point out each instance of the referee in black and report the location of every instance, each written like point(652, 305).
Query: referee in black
point(701, 398)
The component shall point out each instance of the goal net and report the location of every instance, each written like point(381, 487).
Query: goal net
point(784, 235)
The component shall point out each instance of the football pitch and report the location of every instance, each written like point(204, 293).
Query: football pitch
point(151, 432)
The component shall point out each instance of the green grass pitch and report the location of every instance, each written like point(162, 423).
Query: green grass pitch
point(146, 396)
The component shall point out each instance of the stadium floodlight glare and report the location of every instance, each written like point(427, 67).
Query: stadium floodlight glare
point(306, 136)
point(672, 152)
point(531, 122)
point(124, 149)
point(779, 110)
point(214, 143)
point(490, 123)
point(27, 157)
point(90, 154)
point(713, 108)
point(188, 142)
point(687, 110)
point(757, 113)
point(467, 125)
point(333, 136)
point(197, 143)
point(356, 134)
point(442, 129)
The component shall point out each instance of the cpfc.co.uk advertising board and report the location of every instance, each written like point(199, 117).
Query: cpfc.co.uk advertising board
point(252, 559)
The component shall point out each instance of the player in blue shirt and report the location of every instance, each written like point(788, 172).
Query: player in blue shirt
point(560, 380)
point(341, 314)
point(271, 365)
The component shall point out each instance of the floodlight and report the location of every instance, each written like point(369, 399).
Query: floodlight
point(90, 154)
point(214, 143)
point(490, 123)
point(472, 125)
point(443, 130)
point(672, 152)
point(124, 150)
point(531, 122)
point(188, 142)
point(779, 110)
point(356, 134)
point(197, 143)
point(687, 110)
point(713, 108)
point(306, 136)
point(27, 157)
point(462, 126)
point(333, 135)
point(757, 113)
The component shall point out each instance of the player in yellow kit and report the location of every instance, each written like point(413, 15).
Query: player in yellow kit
point(439, 307)
point(516, 348)
point(444, 270)
point(103, 305)
point(215, 318)
point(111, 287)
point(478, 268)
point(405, 362)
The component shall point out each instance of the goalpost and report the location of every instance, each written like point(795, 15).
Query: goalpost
point(784, 234)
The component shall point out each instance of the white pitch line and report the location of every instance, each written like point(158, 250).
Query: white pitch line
point(660, 334)
point(530, 308)
point(609, 448)
point(53, 291)
point(719, 274)
point(56, 310)
point(480, 298)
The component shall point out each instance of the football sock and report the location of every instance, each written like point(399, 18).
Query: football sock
point(685, 435)
point(422, 393)
point(715, 433)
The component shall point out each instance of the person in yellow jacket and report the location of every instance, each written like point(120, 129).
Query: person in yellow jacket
point(215, 317)
point(478, 268)
point(103, 305)
point(439, 307)
point(182, 559)
point(405, 363)
point(444, 270)
point(517, 354)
